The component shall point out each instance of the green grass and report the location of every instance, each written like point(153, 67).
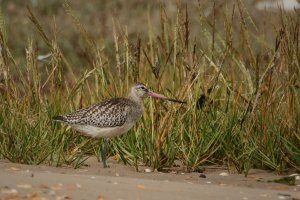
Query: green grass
point(249, 119)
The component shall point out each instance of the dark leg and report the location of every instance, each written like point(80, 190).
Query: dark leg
point(104, 151)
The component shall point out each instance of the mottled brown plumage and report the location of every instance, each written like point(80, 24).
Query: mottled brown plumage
point(109, 113)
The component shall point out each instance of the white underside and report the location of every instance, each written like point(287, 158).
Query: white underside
point(107, 132)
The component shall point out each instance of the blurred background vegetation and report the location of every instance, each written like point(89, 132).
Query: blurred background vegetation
point(236, 63)
point(139, 17)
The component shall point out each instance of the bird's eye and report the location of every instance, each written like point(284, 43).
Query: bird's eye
point(142, 87)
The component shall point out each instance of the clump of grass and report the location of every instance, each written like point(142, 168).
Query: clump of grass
point(242, 92)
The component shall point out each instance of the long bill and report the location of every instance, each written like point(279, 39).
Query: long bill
point(160, 96)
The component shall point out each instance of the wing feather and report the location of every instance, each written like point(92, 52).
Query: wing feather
point(109, 113)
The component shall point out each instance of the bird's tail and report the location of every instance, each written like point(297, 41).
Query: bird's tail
point(59, 118)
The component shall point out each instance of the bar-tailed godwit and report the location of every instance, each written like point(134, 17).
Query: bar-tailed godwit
point(112, 117)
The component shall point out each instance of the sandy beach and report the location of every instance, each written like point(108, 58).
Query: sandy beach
point(123, 182)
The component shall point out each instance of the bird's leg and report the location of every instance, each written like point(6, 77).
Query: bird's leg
point(104, 151)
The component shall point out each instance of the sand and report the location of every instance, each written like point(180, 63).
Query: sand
point(122, 182)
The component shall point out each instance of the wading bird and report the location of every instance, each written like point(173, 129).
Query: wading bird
point(112, 117)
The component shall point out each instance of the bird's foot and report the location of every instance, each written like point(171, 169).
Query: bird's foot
point(105, 165)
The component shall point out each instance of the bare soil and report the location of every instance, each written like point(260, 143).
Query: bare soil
point(19, 181)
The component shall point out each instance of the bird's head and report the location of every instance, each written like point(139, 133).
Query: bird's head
point(140, 91)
